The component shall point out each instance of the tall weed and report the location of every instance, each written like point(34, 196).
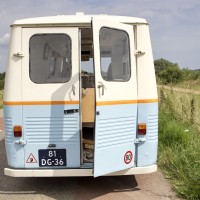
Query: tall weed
point(182, 106)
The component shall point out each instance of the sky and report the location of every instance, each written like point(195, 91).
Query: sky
point(174, 24)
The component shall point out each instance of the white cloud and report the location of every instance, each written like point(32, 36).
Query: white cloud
point(4, 40)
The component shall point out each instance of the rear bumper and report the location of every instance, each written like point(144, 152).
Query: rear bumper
point(73, 172)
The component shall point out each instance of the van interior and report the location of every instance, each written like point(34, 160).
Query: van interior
point(88, 99)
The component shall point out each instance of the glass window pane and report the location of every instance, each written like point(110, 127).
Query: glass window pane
point(115, 55)
point(50, 58)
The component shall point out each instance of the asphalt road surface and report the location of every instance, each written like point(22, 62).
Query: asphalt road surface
point(140, 187)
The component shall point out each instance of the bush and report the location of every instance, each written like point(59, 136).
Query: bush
point(170, 76)
point(167, 72)
point(2, 77)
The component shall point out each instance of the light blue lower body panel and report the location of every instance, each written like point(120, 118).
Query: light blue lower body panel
point(115, 133)
point(14, 152)
point(47, 127)
point(114, 138)
point(147, 151)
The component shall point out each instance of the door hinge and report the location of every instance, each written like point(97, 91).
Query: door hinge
point(139, 140)
point(20, 142)
point(139, 53)
point(19, 54)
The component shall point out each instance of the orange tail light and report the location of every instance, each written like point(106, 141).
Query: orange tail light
point(142, 129)
point(17, 131)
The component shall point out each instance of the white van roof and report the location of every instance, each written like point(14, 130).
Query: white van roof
point(79, 20)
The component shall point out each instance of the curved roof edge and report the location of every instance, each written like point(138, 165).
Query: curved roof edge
point(76, 19)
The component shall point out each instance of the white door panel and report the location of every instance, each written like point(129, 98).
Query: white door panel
point(116, 96)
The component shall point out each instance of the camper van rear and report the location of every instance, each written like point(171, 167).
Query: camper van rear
point(80, 97)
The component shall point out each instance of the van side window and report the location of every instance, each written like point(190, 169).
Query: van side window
point(115, 55)
point(50, 58)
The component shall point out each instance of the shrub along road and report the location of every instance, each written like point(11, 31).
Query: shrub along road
point(141, 187)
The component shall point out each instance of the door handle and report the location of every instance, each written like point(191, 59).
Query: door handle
point(20, 142)
point(71, 111)
point(101, 85)
point(73, 89)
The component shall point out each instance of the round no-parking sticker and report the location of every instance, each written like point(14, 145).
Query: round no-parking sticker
point(128, 157)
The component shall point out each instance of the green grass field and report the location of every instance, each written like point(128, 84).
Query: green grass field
point(179, 142)
point(189, 84)
point(185, 106)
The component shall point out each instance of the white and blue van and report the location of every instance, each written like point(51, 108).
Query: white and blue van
point(80, 97)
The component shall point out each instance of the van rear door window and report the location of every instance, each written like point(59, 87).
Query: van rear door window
point(50, 58)
point(115, 55)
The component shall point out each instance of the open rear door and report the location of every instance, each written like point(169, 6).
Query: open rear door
point(116, 96)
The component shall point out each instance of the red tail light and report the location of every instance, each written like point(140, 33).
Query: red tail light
point(17, 130)
point(142, 129)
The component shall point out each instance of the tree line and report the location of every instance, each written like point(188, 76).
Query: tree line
point(2, 78)
point(170, 73)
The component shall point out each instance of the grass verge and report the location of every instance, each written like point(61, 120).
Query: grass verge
point(179, 155)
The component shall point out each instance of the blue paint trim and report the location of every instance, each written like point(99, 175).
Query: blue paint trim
point(14, 152)
point(147, 151)
point(42, 125)
point(114, 136)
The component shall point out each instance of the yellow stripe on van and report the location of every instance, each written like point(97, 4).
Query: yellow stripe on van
point(104, 103)
point(148, 100)
point(39, 103)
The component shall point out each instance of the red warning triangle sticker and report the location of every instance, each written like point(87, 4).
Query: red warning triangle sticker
point(31, 159)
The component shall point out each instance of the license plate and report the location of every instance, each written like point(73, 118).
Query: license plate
point(52, 157)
